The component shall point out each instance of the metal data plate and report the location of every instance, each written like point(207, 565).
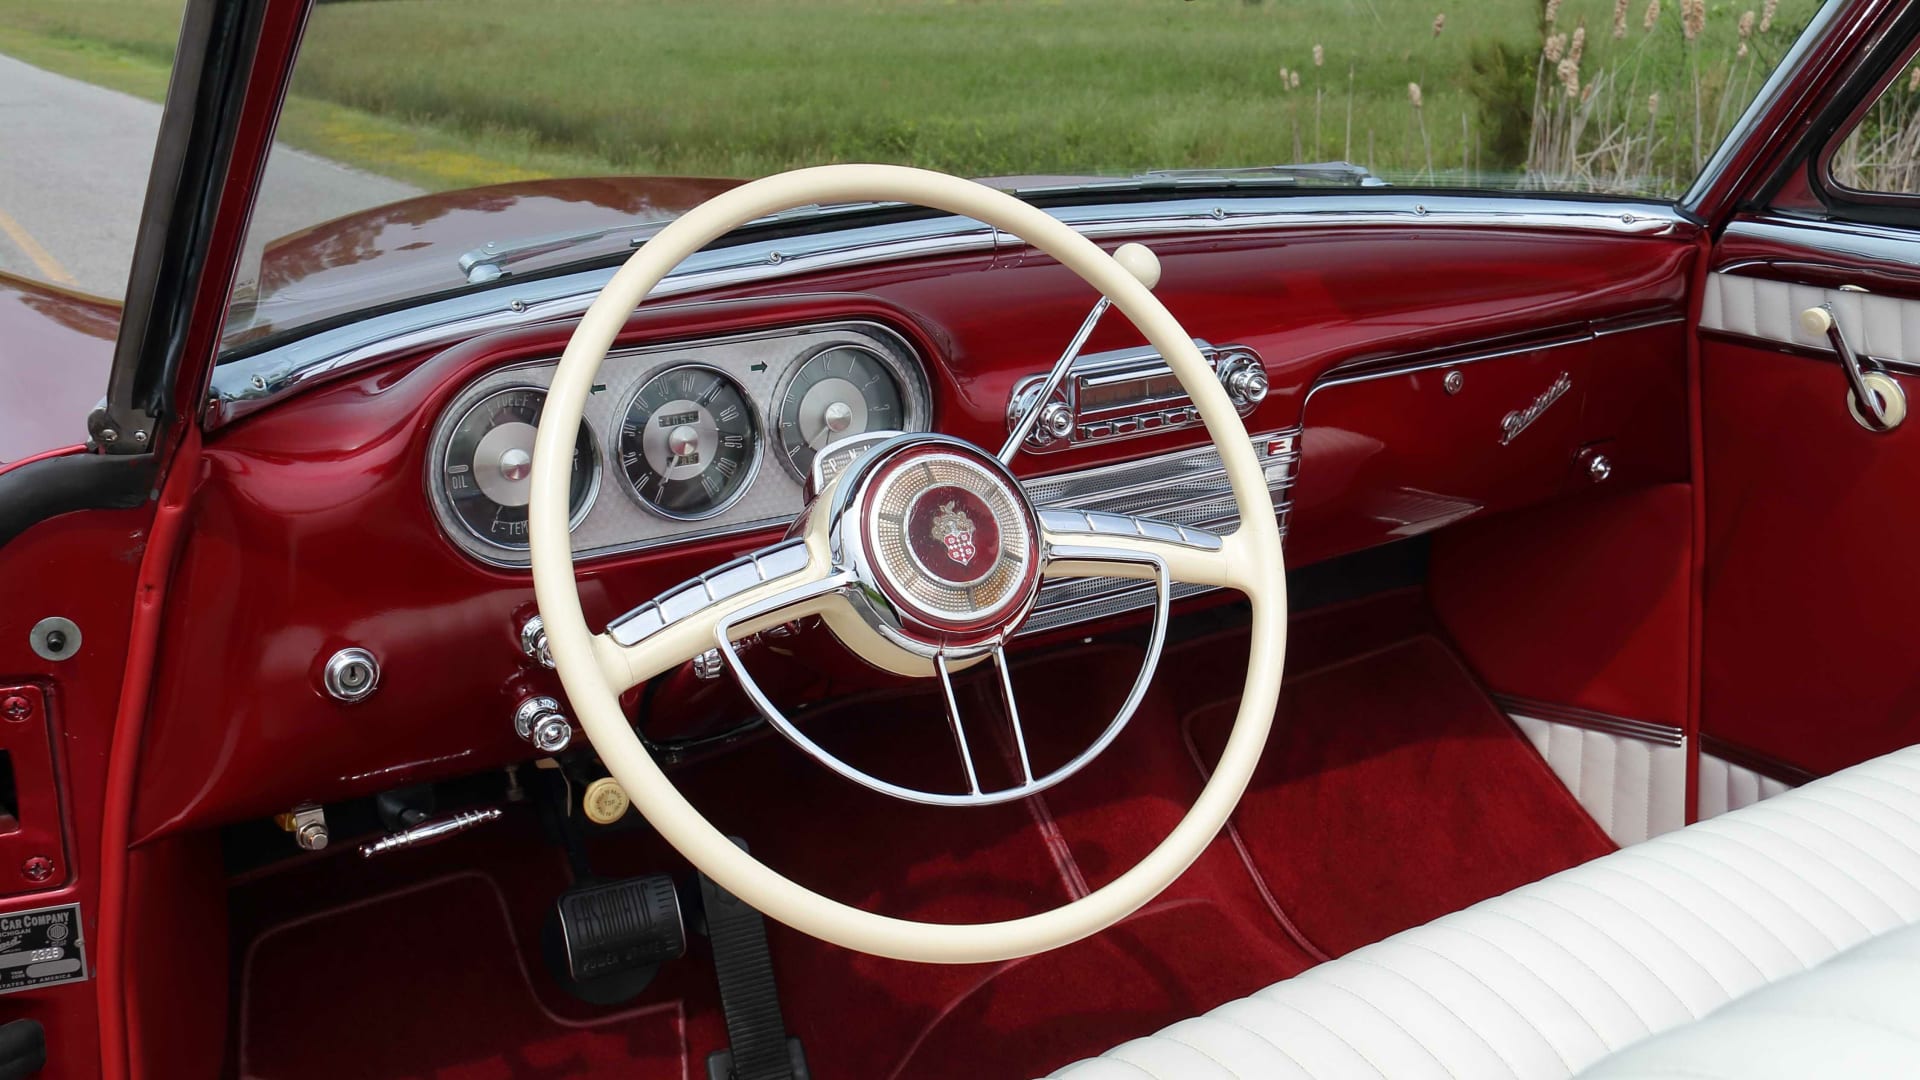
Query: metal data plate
point(41, 947)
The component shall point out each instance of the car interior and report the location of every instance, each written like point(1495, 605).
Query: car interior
point(865, 622)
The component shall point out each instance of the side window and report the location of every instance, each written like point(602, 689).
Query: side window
point(1881, 155)
point(81, 83)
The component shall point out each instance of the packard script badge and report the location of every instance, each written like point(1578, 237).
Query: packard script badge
point(954, 528)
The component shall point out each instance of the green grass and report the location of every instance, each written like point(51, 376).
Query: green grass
point(450, 93)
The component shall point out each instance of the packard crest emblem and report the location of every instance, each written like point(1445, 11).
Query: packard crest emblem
point(954, 528)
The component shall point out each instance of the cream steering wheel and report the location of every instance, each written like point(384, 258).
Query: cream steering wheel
point(852, 559)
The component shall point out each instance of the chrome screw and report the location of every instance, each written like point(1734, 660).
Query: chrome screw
point(1454, 381)
point(37, 869)
point(17, 708)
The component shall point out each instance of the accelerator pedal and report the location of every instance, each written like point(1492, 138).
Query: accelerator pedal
point(605, 941)
point(758, 1045)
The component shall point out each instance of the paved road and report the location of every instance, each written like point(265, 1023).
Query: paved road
point(73, 171)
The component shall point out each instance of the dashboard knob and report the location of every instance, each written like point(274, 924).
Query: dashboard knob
point(539, 721)
point(533, 641)
point(1245, 381)
point(1056, 422)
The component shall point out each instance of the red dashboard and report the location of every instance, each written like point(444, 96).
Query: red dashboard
point(1436, 373)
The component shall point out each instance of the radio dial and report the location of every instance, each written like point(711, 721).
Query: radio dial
point(1245, 380)
point(1056, 422)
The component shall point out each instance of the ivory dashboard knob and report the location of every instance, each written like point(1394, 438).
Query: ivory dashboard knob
point(1140, 261)
point(1816, 321)
point(605, 801)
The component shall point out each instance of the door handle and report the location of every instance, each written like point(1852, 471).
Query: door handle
point(1873, 397)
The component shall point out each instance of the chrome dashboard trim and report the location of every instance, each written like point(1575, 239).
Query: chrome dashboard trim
point(1186, 490)
point(246, 385)
point(1460, 356)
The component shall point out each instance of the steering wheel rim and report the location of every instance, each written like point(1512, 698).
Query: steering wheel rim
point(1251, 555)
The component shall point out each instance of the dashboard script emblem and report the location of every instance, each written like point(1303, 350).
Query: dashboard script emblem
point(954, 528)
point(1520, 420)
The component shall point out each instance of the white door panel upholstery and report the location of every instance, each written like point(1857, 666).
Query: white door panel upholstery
point(1634, 789)
point(1855, 1016)
point(1886, 327)
point(1725, 786)
point(1555, 976)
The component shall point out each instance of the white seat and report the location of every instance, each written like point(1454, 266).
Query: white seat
point(1555, 976)
point(1855, 1016)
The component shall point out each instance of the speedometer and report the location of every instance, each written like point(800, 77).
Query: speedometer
point(689, 442)
point(841, 391)
point(486, 468)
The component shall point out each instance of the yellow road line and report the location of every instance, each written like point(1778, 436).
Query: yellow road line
point(41, 257)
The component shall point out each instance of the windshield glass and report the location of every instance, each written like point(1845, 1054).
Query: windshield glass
point(434, 145)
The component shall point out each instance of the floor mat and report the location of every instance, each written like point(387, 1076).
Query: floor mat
point(1393, 792)
point(428, 981)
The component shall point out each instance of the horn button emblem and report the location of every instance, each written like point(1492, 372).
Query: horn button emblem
point(951, 541)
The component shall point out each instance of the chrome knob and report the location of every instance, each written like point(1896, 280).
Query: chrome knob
point(1599, 468)
point(1244, 380)
point(539, 721)
point(533, 641)
point(1056, 422)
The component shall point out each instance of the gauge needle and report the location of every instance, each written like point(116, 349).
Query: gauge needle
point(835, 421)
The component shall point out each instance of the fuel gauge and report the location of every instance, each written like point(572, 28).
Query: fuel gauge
point(486, 468)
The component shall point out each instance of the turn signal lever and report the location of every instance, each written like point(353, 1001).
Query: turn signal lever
point(1873, 397)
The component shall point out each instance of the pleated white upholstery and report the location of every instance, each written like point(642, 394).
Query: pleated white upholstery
point(1725, 786)
point(1857, 1016)
point(1633, 789)
point(1555, 976)
point(1887, 327)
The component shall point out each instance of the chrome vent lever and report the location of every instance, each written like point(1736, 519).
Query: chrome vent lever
point(1138, 260)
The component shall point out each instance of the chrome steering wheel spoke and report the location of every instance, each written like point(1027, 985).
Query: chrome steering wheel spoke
point(776, 584)
point(1078, 544)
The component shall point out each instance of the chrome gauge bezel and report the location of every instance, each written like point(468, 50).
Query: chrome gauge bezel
point(756, 436)
point(442, 442)
point(762, 362)
point(911, 379)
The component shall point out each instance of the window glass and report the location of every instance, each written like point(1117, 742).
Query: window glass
point(80, 88)
point(393, 102)
point(1882, 153)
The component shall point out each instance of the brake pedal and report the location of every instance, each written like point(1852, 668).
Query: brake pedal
point(758, 1047)
point(605, 941)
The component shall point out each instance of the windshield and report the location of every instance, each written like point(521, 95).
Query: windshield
point(429, 146)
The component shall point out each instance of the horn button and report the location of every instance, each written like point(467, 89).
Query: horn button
point(951, 541)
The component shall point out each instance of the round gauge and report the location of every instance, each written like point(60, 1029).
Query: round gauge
point(486, 469)
point(841, 391)
point(689, 443)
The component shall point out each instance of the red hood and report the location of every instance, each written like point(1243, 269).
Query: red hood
point(55, 350)
point(414, 246)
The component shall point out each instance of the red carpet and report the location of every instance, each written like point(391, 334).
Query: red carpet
point(1393, 792)
point(428, 982)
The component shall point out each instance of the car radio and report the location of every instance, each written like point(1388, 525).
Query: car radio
point(1130, 392)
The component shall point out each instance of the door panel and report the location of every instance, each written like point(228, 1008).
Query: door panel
point(1812, 521)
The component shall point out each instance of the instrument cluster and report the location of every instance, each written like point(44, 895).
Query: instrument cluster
point(681, 430)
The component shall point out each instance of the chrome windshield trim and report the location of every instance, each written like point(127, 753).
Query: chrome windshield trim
point(244, 386)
